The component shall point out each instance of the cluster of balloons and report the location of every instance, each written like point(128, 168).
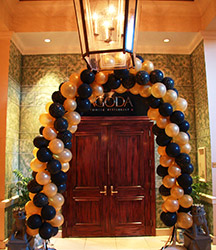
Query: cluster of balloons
point(52, 147)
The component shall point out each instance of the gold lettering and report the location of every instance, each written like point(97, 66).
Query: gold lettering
point(122, 101)
point(107, 104)
point(128, 100)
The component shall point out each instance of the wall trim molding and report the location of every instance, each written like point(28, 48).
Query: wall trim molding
point(209, 35)
point(9, 202)
point(208, 198)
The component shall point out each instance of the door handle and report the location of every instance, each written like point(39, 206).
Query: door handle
point(105, 191)
point(112, 191)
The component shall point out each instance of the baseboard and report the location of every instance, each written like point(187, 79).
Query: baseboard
point(163, 231)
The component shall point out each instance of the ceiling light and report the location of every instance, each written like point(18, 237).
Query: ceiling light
point(166, 40)
point(47, 40)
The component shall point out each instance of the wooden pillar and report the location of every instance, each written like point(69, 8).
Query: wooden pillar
point(5, 38)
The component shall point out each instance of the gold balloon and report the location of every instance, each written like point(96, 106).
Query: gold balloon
point(170, 97)
point(35, 151)
point(181, 104)
point(49, 133)
point(46, 119)
point(92, 98)
point(145, 90)
point(43, 178)
point(65, 167)
point(72, 128)
point(31, 195)
point(186, 201)
point(166, 161)
point(50, 189)
point(70, 104)
point(158, 90)
point(75, 79)
point(30, 208)
point(32, 232)
point(73, 118)
point(37, 166)
point(107, 61)
point(47, 106)
point(182, 138)
point(101, 78)
point(121, 89)
point(184, 220)
point(148, 66)
point(165, 197)
point(162, 121)
point(172, 129)
point(168, 181)
point(64, 156)
point(171, 205)
point(153, 114)
point(174, 171)
point(138, 64)
point(163, 208)
point(58, 220)
point(97, 90)
point(56, 146)
point(68, 89)
point(186, 148)
point(161, 150)
point(120, 58)
point(56, 200)
point(176, 192)
point(135, 90)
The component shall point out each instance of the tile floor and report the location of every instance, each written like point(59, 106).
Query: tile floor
point(119, 243)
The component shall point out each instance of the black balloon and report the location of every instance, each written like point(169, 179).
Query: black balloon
point(168, 82)
point(68, 144)
point(34, 174)
point(58, 97)
point(183, 160)
point(61, 85)
point(165, 109)
point(185, 180)
point(84, 91)
point(173, 149)
point(54, 231)
point(188, 190)
point(65, 136)
point(162, 171)
point(59, 178)
point(56, 110)
point(184, 126)
point(62, 188)
point(164, 191)
point(40, 142)
point(83, 105)
point(44, 154)
point(169, 219)
point(87, 76)
point(177, 117)
point(106, 87)
point(48, 212)
point(140, 57)
point(41, 130)
point(34, 221)
point(188, 169)
point(121, 73)
point(40, 200)
point(163, 140)
point(142, 77)
point(54, 166)
point(61, 124)
point(34, 187)
point(184, 210)
point(46, 231)
point(157, 131)
point(153, 102)
point(176, 91)
point(129, 82)
point(156, 76)
point(113, 82)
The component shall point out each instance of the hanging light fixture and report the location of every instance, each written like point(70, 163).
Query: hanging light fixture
point(107, 32)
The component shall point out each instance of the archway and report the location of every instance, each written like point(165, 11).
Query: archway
point(52, 148)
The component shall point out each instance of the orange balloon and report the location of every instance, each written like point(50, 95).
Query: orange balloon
point(30, 209)
point(174, 171)
point(50, 189)
point(68, 89)
point(171, 205)
point(65, 167)
point(135, 90)
point(101, 78)
point(166, 161)
point(121, 89)
point(49, 133)
point(153, 113)
point(31, 195)
point(57, 221)
point(177, 192)
point(35, 152)
point(32, 232)
point(47, 106)
point(56, 200)
point(56, 146)
point(46, 119)
point(43, 177)
point(70, 104)
point(161, 150)
point(97, 90)
point(92, 98)
point(186, 201)
point(162, 121)
point(75, 79)
point(168, 181)
point(163, 208)
point(145, 90)
point(184, 220)
point(37, 166)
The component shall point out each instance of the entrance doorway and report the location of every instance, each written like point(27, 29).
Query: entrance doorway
point(111, 182)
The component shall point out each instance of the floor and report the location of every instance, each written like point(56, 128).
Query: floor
point(119, 243)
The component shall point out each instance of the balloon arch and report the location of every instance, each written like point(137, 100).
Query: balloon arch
point(52, 147)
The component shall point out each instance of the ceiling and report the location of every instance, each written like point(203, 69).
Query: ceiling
point(181, 21)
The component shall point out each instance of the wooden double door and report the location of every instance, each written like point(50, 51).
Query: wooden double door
point(111, 182)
